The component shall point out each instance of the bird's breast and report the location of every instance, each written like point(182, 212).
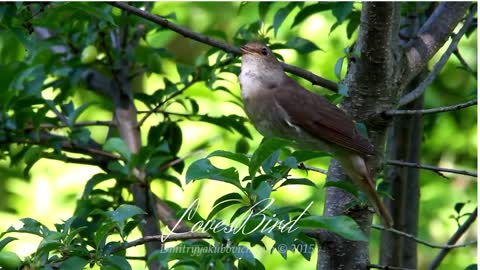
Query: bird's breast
point(250, 84)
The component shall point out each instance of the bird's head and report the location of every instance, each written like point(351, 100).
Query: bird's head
point(258, 56)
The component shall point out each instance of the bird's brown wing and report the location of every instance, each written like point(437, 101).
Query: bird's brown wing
point(319, 118)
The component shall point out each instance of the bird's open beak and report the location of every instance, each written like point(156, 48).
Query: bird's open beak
point(246, 50)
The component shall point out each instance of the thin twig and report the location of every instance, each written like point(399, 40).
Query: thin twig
point(57, 112)
point(387, 267)
point(163, 239)
point(154, 109)
point(428, 167)
point(137, 258)
point(47, 138)
point(464, 63)
point(78, 124)
point(178, 160)
point(83, 161)
point(314, 79)
point(460, 231)
point(311, 168)
point(434, 110)
point(423, 242)
point(170, 113)
point(418, 91)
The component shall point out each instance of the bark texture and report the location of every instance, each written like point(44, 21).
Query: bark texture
point(404, 142)
point(372, 81)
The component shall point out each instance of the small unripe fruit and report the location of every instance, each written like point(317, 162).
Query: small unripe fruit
point(89, 54)
point(9, 260)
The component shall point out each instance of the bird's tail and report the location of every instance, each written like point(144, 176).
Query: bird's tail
point(357, 169)
point(369, 189)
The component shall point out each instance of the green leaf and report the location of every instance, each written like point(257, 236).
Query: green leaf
point(73, 263)
point(22, 36)
point(93, 10)
point(156, 133)
point(228, 197)
point(290, 162)
point(187, 263)
point(220, 206)
point(240, 211)
point(471, 267)
point(263, 8)
point(184, 71)
point(281, 15)
point(95, 180)
point(203, 169)
point(344, 226)
point(310, 10)
point(117, 145)
point(343, 89)
point(305, 245)
point(32, 155)
point(341, 10)
point(458, 207)
point(263, 192)
point(242, 146)
point(353, 23)
point(76, 113)
point(338, 67)
point(170, 178)
point(80, 135)
point(298, 181)
point(229, 155)
point(228, 122)
point(102, 232)
point(266, 148)
point(284, 242)
point(124, 212)
point(268, 164)
point(5, 241)
point(30, 226)
point(243, 253)
point(362, 129)
point(174, 137)
point(301, 45)
point(119, 262)
point(346, 186)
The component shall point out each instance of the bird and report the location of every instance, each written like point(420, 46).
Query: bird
point(280, 107)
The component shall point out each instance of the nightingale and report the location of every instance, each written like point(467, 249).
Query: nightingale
point(280, 107)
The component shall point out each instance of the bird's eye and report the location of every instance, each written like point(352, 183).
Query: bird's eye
point(264, 51)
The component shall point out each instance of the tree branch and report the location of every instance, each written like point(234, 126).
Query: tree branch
point(314, 79)
point(60, 115)
point(432, 35)
point(154, 109)
point(163, 239)
point(460, 231)
point(434, 110)
point(92, 149)
point(423, 242)
point(464, 63)
point(418, 91)
point(67, 159)
point(311, 168)
point(428, 167)
point(387, 267)
point(78, 124)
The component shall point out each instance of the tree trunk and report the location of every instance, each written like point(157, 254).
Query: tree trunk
point(404, 142)
point(372, 80)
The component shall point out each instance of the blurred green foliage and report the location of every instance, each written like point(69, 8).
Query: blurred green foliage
point(195, 87)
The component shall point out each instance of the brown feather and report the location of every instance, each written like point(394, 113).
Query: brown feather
point(330, 123)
